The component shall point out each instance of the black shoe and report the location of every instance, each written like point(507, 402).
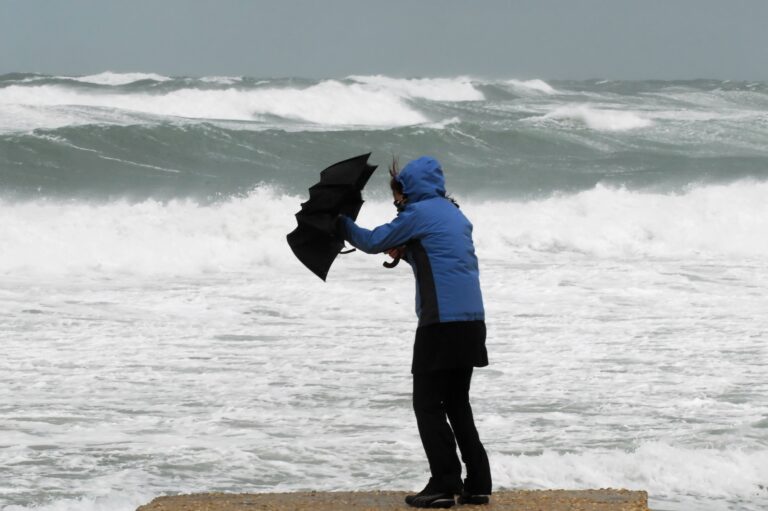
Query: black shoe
point(430, 498)
point(468, 498)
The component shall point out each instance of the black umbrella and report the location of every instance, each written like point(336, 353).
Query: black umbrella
point(315, 241)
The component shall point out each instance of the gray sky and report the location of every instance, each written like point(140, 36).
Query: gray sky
point(621, 39)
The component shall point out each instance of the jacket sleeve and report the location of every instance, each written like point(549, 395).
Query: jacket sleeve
point(383, 237)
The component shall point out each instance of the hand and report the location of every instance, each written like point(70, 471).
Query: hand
point(338, 227)
point(396, 252)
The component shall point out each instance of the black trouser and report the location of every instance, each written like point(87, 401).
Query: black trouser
point(441, 394)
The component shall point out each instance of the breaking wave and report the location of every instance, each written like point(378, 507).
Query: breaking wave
point(532, 85)
point(113, 181)
point(101, 135)
point(599, 118)
point(691, 478)
point(327, 103)
point(184, 237)
point(111, 78)
point(676, 478)
point(606, 222)
point(434, 89)
point(374, 101)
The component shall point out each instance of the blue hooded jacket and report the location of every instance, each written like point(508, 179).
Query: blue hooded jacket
point(439, 248)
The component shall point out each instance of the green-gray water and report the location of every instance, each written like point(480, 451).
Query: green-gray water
point(221, 136)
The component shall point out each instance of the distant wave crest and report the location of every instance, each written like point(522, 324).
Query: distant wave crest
point(111, 78)
point(435, 89)
point(600, 118)
point(533, 85)
point(329, 103)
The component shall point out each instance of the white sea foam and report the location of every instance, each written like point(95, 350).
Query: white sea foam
point(110, 501)
point(112, 78)
point(724, 114)
point(222, 80)
point(451, 121)
point(179, 237)
point(186, 341)
point(183, 237)
point(532, 85)
point(674, 477)
point(601, 119)
point(435, 89)
point(713, 220)
point(666, 472)
point(16, 118)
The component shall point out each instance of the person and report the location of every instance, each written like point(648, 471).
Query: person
point(432, 234)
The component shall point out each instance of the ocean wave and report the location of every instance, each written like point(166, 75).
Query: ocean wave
point(690, 478)
point(601, 119)
point(331, 103)
point(147, 238)
point(112, 78)
point(109, 501)
point(366, 101)
point(532, 85)
point(374, 101)
point(434, 89)
point(183, 237)
point(676, 478)
point(221, 80)
point(534, 158)
point(509, 138)
point(25, 118)
point(705, 221)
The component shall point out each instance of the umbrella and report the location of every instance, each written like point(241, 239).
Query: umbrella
point(315, 241)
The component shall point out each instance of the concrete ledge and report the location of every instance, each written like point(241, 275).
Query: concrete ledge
point(520, 500)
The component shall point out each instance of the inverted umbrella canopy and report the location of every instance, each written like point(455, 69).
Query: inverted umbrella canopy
point(315, 241)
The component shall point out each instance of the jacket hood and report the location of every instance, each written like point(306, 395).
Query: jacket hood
point(422, 179)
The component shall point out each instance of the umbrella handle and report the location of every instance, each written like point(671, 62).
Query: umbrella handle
point(391, 264)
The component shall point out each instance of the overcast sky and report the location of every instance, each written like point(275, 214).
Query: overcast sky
point(577, 39)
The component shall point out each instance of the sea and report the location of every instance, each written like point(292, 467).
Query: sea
point(157, 335)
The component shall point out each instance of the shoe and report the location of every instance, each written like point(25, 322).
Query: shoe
point(430, 498)
point(468, 498)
